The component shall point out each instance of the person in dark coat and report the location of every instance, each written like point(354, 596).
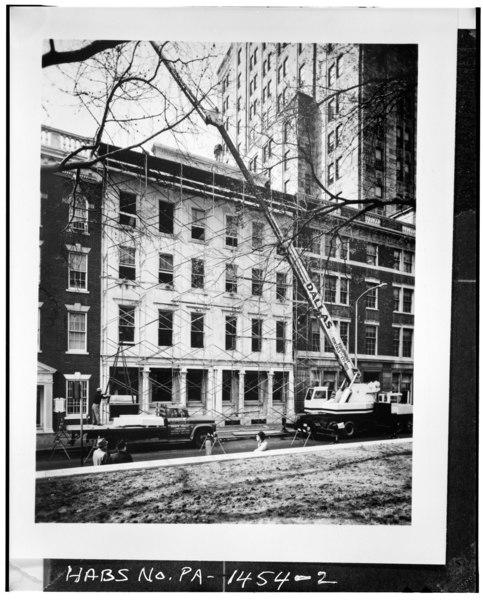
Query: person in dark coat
point(121, 455)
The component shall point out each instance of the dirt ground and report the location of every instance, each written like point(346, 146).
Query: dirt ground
point(363, 485)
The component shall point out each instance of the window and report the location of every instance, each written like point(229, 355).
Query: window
point(344, 291)
point(407, 343)
point(165, 268)
point(408, 262)
point(285, 62)
point(73, 405)
point(339, 65)
point(257, 282)
point(330, 174)
point(227, 385)
point(77, 332)
point(330, 288)
point(331, 109)
point(165, 217)
point(238, 81)
point(314, 336)
point(338, 163)
point(165, 328)
point(378, 164)
point(301, 75)
point(286, 158)
point(255, 56)
point(395, 341)
point(338, 135)
point(300, 48)
point(281, 291)
point(231, 279)
point(343, 327)
point(78, 214)
point(257, 325)
point(378, 191)
point(407, 301)
point(127, 209)
point(231, 238)
point(371, 254)
point(126, 324)
point(280, 337)
point(127, 263)
point(239, 56)
point(286, 131)
point(198, 224)
point(269, 89)
point(396, 298)
point(337, 247)
point(371, 339)
point(396, 259)
point(197, 273)
point(280, 387)
point(371, 296)
point(257, 235)
point(264, 68)
point(307, 183)
point(239, 103)
point(286, 186)
point(77, 271)
point(331, 76)
point(279, 74)
point(330, 141)
point(230, 333)
point(197, 330)
point(279, 102)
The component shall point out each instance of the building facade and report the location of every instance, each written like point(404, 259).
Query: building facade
point(69, 284)
point(325, 119)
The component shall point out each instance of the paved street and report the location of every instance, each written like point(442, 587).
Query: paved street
point(159, 450)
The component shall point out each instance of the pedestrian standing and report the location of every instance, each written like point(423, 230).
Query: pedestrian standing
point(95, 408)
point(121, 455)
point(101, 455)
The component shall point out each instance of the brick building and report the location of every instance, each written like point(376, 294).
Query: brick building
point(69, 285)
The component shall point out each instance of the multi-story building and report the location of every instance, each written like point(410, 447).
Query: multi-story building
point(325, 120)
point(70, 286)
point(161, 282)
point(196, 303)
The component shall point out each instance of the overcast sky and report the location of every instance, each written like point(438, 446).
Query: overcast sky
point(63, 110)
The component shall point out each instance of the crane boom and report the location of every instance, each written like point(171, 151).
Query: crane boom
point(293, 257)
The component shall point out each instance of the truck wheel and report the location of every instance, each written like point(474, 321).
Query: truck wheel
point(409, 425)
point(399, 426)
point(349, 429)
point(200, 436)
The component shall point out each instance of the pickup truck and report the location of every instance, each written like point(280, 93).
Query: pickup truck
point(170, 423)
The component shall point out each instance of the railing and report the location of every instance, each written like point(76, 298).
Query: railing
point(63, 141)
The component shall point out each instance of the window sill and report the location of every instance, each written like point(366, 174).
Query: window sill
point(202, 242)
point(82, 352)
point(76, 291)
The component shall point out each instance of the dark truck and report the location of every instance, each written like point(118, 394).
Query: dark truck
point(170, 423)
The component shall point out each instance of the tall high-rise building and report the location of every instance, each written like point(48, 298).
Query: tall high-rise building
point(325, 120)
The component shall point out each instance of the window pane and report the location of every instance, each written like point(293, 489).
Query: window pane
point(256, 335)
point(408, 301)
point(257, 282)
point(231, 279)
point(371, 336)
point(281, 286)
point(330, 288)
point(165, 328)
point(198, 224)
point(280, 336)
point(197, 330)
point(197, 273)
point(395, 341)
point(407, 343)
point(230, 333)
point(126, 324)
point(165, 217)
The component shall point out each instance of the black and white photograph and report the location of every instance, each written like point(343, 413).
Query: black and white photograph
point(238, 239)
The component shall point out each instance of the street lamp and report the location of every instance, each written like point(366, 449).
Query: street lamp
point(374, 287)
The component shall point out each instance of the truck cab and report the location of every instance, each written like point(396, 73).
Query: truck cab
point(315, 398)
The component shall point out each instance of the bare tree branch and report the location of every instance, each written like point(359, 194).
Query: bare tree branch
point(52, 57)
